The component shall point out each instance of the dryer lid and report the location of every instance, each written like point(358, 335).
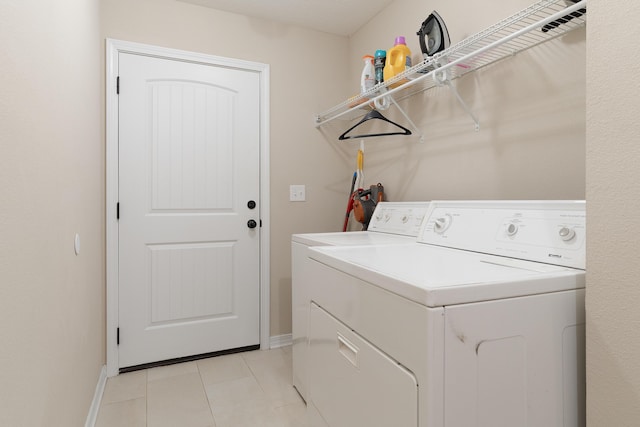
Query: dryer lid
point(353, 238)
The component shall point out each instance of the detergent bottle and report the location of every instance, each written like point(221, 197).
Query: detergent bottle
point(398, 60)
point(378, 64)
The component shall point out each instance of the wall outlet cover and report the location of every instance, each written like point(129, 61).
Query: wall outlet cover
point(297, 193)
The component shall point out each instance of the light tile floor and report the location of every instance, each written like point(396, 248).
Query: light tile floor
point(251, 389)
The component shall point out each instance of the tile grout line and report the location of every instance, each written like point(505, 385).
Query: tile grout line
point(253, 374)
point(272, 402)
point(146, 398)
point(206, 395)
point(255, 364)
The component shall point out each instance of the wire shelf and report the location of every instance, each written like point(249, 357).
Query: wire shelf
point(540, 22)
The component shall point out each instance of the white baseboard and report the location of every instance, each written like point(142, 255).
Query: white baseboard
point(97, 398)
point(280, 341)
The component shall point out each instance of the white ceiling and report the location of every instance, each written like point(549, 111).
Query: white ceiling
point(342, 17)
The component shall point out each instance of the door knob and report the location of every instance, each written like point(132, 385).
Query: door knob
point(252, 224)
point(251, 204)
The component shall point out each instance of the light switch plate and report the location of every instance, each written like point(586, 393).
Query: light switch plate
point(297, 193)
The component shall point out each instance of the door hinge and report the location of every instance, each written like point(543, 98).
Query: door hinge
point(118, 210)
point(118, 85)
point(118, 336)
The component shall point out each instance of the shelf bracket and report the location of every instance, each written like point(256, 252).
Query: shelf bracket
point(442, 77)
point(406, 116)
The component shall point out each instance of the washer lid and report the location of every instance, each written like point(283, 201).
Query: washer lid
point(437, 276)
point(353, 238)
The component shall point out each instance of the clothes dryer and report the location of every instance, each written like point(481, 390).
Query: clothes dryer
point(479, 323)
point(391, 223)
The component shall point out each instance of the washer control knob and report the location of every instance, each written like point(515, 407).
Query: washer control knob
point(441, 224)
point(405, 218)
point(567, 234)
point(512, 229)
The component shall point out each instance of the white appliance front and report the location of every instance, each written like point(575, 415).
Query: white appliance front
point(492, 340)
point(391, 223)
point(358, 385)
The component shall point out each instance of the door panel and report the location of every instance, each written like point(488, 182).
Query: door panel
point(188, 164)
point(190, 281)
point(192, 154)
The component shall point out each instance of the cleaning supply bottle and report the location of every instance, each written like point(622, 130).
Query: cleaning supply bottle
point(367, 79)
point(378, 63)
point(398, 60)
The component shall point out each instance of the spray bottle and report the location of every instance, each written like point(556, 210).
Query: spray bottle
point(367, 79)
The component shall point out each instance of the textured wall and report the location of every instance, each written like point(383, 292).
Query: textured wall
point(51, 187)
point(613, 203)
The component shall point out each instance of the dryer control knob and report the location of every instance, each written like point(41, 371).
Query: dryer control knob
point(567, 234)
point(512, 229)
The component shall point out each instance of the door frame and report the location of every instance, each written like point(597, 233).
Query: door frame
point(113, 48)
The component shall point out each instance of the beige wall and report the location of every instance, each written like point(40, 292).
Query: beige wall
point(531, 110)
point(613, 190)
point(51, 186)
point(300, 86)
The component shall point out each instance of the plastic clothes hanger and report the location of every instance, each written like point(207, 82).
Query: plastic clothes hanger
point(373, 114)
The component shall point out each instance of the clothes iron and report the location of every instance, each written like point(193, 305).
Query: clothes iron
point(433, 36)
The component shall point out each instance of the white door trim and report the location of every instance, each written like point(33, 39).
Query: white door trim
point(113, 48)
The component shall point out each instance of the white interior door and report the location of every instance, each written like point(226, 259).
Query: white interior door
point(189, 165)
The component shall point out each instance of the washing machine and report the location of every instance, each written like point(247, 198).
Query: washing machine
point(479, 323)
point(391, 223)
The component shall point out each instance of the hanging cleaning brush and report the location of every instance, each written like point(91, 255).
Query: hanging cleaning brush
point(360, 166)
